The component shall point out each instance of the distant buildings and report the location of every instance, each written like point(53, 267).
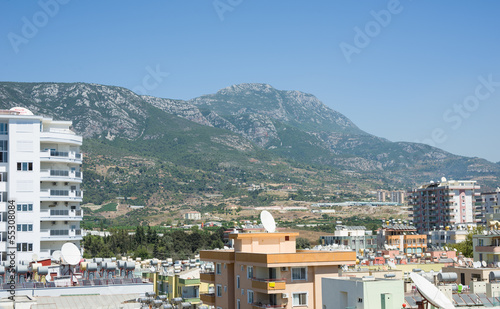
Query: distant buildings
point(392, 196)
point(356, 237)
point(401, 237)
point(485, 203)
point(265, 270)
point(192, 215)
point(445, 203)
point(450, 235)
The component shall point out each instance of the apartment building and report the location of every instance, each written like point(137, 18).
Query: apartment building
point(486, 203)
point(40, 175)
point(355, 237)
point(439, 204)
point(401, 237)
point(265, 270)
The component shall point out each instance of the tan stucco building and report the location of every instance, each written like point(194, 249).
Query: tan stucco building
point(265, 270)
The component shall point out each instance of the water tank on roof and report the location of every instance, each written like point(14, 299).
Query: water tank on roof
point(494, 275)
point(43, 270)
point(447, 277)
point(21, 269)
point(92, 266)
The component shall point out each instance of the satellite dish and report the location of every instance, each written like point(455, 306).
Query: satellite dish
point(484, 263)
point(22, 111)
point(48, 277)
point(34, 257)
point(443, 179)
point(498, 264)
point(71, 254)
point(391, 264)
point(431, 293)
point(56, 255)
point(476, 264)
point(460, 262)
point(268, 221)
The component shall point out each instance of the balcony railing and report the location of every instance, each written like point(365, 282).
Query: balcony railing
point(68, 214)
point(263, 305)
point(269, 284)
point(51, 234)
point(57, 194)
point(60, 155)
point(61, 174)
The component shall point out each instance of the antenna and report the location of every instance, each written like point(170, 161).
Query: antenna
point(56, 256)
point(268, 221)
point(71, 254)
point(431, 293)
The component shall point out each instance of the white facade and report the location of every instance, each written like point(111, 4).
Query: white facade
point(192, 215)
point(39, 170)
point(362, 293)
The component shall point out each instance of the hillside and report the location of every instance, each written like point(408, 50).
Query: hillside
point(164, 151)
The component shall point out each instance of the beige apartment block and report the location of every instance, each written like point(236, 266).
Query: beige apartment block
point(264, 270)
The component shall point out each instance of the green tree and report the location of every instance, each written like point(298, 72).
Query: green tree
point(302, 243)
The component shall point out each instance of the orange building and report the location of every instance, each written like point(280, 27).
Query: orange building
point(264, 270)
point(402, 237)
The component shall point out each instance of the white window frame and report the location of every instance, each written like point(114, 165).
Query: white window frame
point(238, 281)
point(300, 305)
point(305, 279)
point(217, 290)
point(249, 268)
point(248, 296)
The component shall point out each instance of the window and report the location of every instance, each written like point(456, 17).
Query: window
point(299, 299)
point(238, 305)
point(3, 151)
point(237, 282)
point(249, 272)
point(218, 269)
point(225, 289)
point(219, 290)
point(3, 176)
point(4, 128)
point(24, 166)
point(299, 273)
point(480, 242)
point(250, 296)
point(24, 207)
point(242, 267)
point(25, 227)
point(3, 196)
point(24, 247)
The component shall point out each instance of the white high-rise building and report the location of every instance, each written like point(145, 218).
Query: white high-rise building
point(40, 170)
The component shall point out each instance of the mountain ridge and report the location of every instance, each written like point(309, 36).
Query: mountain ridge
point(286, 123)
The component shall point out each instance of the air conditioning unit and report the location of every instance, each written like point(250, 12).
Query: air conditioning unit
point(284, 268)
point(54, 183)
point(284, 295)
point(66, 183)
point(66, 203)
point(53, 222)
point(65, 222)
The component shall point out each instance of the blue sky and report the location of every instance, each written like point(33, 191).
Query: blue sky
point(404, 70)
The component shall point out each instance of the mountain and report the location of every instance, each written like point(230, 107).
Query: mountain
point(239, 124)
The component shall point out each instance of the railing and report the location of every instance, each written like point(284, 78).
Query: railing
point(269, 279)
point(60, 194)
point(72, 155)
point(48, 214)
point(262, 305)
point(60, 233)
point(61, 173)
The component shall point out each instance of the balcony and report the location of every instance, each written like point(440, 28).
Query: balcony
point(60, 234)
point(60, 195)
point(268, 285)
point(61, 214)
point(60, 156)
point(60, 136)
point(262, 305)
point(207, 277)
point(208, 299)
point(488, 249)
point(61, 175)
point(189, 281)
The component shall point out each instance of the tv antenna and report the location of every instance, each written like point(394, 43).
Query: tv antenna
point(268, 221)
point(430, 293)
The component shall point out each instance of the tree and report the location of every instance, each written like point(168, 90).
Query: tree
point(466, 247)
point(302, 243)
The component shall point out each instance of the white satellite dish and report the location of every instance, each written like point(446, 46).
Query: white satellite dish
point(431, 293)
point(484, 263)
point(56, 255)
point(48, 277)
point(498, 264)
point(268, 221)
point(443, 179)
point(391, 264)
point(34, 257)
point(460, 262)
point(71, 254)
point(476, 264)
